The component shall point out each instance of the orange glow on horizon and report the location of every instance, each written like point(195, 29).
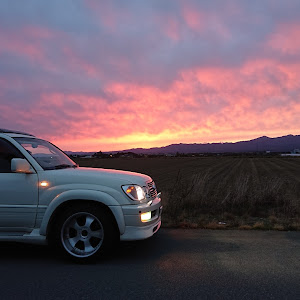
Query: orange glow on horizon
point(94, 145)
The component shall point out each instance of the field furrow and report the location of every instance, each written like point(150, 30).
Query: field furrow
point(283, 170)
point(214, 186)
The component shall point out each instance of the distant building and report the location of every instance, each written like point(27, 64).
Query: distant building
point(295, 152)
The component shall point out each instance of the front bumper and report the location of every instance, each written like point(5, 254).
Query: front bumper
point(135, 229)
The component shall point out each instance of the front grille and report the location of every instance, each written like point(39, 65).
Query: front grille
point(152, 192)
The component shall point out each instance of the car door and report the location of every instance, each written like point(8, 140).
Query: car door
point(18, 193)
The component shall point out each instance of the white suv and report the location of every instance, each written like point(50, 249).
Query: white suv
point(46, 197)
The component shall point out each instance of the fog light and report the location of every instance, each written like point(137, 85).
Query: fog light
point(145, 217)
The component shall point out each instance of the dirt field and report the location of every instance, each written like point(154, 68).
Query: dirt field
point(220, 191)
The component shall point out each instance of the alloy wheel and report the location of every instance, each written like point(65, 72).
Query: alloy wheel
point(82, 234)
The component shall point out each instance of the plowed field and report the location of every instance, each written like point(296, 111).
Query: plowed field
point(200, 189)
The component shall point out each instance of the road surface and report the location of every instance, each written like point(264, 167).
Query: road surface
point(174, 264)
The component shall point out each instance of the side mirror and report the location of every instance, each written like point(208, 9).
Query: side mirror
point(20, 165)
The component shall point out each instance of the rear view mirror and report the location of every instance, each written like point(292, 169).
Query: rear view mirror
point(20, 165)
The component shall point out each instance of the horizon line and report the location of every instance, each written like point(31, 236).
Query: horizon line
point(207, 143)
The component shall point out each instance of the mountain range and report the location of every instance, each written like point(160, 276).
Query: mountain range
point(279, 144)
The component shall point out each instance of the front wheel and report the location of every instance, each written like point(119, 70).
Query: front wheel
point(84, 232)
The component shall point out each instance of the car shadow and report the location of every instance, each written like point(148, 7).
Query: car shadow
point(165, 242)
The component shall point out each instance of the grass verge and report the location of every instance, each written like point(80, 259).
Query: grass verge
point(242, 203)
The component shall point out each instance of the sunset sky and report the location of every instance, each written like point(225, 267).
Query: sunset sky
point(112, 75)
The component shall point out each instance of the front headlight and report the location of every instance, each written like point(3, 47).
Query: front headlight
point(134, 192)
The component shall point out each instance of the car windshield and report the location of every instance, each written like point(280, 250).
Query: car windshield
point(46, 154)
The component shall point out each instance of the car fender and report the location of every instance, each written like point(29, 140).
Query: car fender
point(84, 195)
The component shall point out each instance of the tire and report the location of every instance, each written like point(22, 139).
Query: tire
point(84, 232)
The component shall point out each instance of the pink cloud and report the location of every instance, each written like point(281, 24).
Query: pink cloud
point(286, 38)
point(194, 18)
point(108, 14)
point(243, 100)
point(171, 27)
point(75, 61)
point(27, 41)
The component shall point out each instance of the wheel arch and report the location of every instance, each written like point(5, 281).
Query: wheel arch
point(102, 200)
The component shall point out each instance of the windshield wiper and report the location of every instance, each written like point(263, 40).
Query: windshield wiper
point(64, 166)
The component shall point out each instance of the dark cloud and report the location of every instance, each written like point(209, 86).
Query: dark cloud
point(134, 47)
point(68, 15)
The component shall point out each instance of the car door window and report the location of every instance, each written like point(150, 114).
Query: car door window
point(7, 153)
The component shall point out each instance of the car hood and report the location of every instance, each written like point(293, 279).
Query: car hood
point(99, 176)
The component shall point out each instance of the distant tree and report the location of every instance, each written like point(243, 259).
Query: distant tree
point(98, 154)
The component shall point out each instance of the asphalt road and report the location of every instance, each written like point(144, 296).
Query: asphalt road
point(174, 264)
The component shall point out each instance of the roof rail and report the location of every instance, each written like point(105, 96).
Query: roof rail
point(2, 130)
